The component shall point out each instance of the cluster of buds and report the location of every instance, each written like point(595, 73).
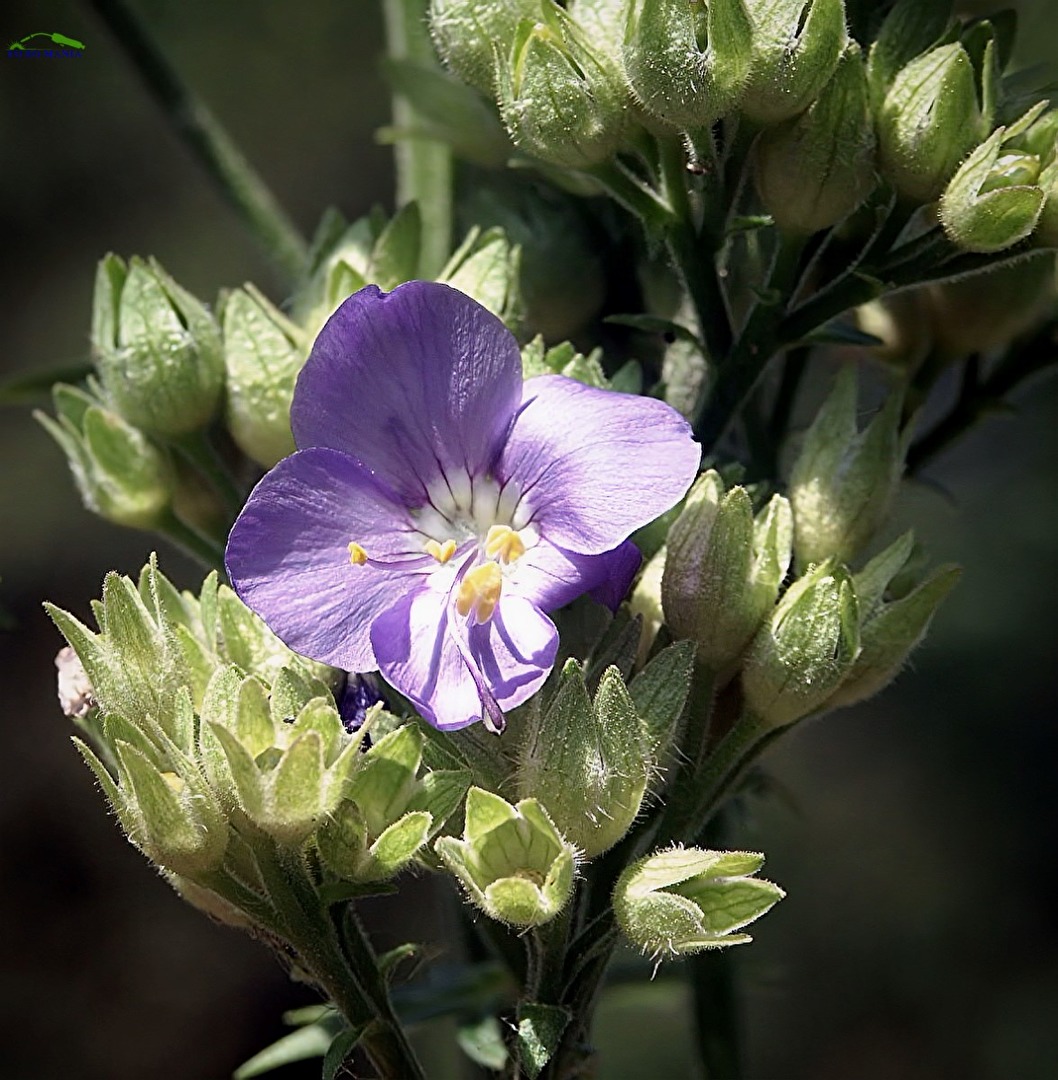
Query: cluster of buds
point(219, 748)
point(832, 637)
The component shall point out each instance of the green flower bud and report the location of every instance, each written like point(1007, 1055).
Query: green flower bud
point(559, 272)
point(468, 33)
point(288, 790)
point(1040, 138)
point(929, 121)
point(992, 202)
point(263, 353)
point(512, 861)
point(165, 807)
point(645, 602)
point(156, 348)
point(723, 570)
point(588, 762)
point(815, 170)
point(684, 900)
point(1047, 226)
point(984, 311)
point(561, 100)
point(805, 650)
point(120, 473)
point(486, 268)
point(843, 481)
point(796, 48)
point(911, 27)
point(688, 62)
point(602, 22)
point(892, 623)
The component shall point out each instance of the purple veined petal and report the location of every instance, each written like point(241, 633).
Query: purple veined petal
point(593, 465)
point(419, 653)
point(288, 556)
point(550, 577)
point(411, 383)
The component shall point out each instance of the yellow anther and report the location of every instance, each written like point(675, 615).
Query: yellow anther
point(441, 552)
point(504, 544)
point(357, 555)
point(479, 592)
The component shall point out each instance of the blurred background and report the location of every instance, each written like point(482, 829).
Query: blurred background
point(915, 836)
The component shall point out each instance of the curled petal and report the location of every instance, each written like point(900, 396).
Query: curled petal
point(454, 674)
point(413, 383)
point(288, 556)
point(551, 577)
point(593, 465)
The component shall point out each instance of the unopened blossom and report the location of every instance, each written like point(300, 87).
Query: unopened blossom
point(438, 507)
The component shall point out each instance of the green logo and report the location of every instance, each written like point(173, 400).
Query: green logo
point(31, 47)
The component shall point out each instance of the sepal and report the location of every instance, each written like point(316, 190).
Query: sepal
point(512, 861)
point(682, 901)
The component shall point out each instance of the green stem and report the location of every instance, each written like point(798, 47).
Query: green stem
point(199, 452)
point(353, 983)
point(240, 185)
point(694, 252)
point(424, 167)
point(757, 344)
point(714, 996)
point(191, 542)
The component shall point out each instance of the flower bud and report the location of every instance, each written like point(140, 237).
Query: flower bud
point(983, 311)
point(512, 861)
point(559, 276)
point(561, 100)
point(929, 121)
point(645, 602)
point(796, 48)
point(120, 473)
point(156, 348)
point(287, 791)
point(1040, 138)
point(688, 62)
point(815, 170)
point(684, 900)
point(843, 481)
point(992, 202)
point(263, 353)
point(803, 653)
point(892, 623)
point(171, 816)
point(911, 27)
point(1047, 227)
point(468, 33)
point(723, 570)
point(588, 762)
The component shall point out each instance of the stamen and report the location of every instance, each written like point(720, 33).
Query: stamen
point(357, 555)
point(504, 544)
point(441, 552)
point(479, 592)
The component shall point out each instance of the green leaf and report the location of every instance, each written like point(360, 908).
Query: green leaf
point(339, 1050)
point(395, 257)
point(389, 961)
point(540, 1028)
point(482, 1042)
point(308, 1042)
point(841, 332)
point(653, 324)
point(35, 387)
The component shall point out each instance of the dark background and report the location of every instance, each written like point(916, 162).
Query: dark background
point(915, 835)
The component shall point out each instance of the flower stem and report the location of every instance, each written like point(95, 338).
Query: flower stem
point(198, 451)
point(757, 344)
point(191, 542)
point(424, 167)
point(238, 182)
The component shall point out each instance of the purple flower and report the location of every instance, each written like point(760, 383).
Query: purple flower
point(438, 506)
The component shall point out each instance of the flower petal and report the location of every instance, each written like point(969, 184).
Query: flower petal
point(594, 465)
point(418, 652)
point(412, 383)
point(288, 555)
point(551, 577)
